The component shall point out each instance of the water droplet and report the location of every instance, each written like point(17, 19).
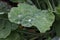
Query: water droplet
point(18, 22)
point(29, 20)
point(9, 16)
point(19, 16)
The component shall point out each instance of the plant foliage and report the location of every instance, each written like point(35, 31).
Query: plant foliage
point(29, 19)
point(28, 16)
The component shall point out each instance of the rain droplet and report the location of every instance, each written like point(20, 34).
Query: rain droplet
point(19, 16)
point(18, 22)
point(9, 16)
point(29, 20)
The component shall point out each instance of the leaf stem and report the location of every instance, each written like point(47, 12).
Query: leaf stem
point(54, 8)
point(49, 5)
point(38, 4)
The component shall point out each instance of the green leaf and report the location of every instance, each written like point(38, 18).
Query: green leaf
point(2, 20)
point(4, 17)
point(28, 16)
point(13, 36)
point(1, 24)
point(56, 26)
point(18, 0)
point(4, 7)
point(30, 2)
point(58, 13)
point(2, 39)
point(14, 26)
point(43, 20)
point(27, 21)
point(6, 29)
point(18, 13)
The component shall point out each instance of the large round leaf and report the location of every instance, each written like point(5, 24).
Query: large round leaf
point(5, 31)
point(28, 15)
point(6, 27)
point(18, 13)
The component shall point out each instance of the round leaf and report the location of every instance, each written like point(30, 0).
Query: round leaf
point(28, 16)
point(13, 36)
point(4, 32)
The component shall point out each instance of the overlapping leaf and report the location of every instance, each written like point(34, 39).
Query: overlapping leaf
point(4, 7)
point(6, 27)
point(13, 36)
point(28, 16)
point(2, 39)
